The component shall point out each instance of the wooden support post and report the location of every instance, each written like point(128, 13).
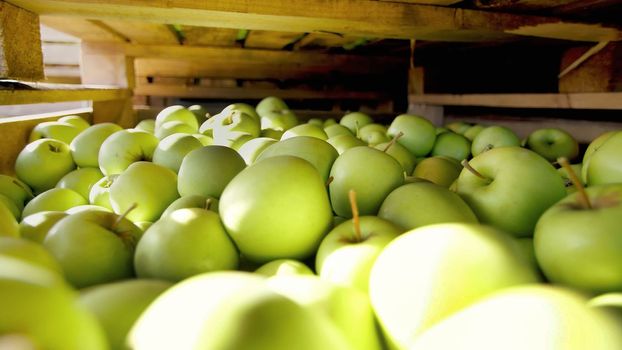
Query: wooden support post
point(105, 63)
point(601, 72)
point(415, 74)
point(20, 44)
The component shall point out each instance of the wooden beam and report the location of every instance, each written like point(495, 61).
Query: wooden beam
point(264, 39)
point(201, 36)
point(143, 33)
point(198, 91)
point(20, 44)
point(521, 5)
point(84, 29)
point(365, 18)
point(612, 100)
point(61, 93)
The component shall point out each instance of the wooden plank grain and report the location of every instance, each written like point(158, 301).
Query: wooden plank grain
point(20, 44)
point(202, 36)
point(64, 94)
point(143, 33)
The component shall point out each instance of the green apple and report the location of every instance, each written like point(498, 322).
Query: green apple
point(238, 311)
point(174, 127)
point(317, 122)
point(149, 186)
point(510, 188)
point(538, 317)
point(423, 203)
point(100, 192)
point(233, 140)
point(355, 121)
point(309, 130)
point(494, 137)
point(58, 199)
point(81, 180)
point(344, 142)
point(85, 207)
point(336, 129)
point(368, 133)
point(552, 143)
point(192, 201)
point(400, 153)
point(125, 147)
point(76, 121)
point(472, 131)
point(36, 226)
point(253, 148)
point(243, 107)
point(329, 121)
point(234, 121)
point(94, 247)
point(118, 305)
point(591, 148)
point(372, 173)
point(185, 243)
point(13, 208)
point(42, 163)
point(440, 170)
point(59, 131)
point(29, 251)
point(15, 190)
point(172, 149)
point(312, 149)
point(284, 267)
point(176, 113)
point(270, 104)
point(85, 147)
point(452, 145)
point(604, 166)
point(276, 208)
point(429, 273)
point(419, 133)
point(459, 127)
point(271, 133)
point(199, 112)
point(346, 308)
point(147, 125)
point(206, 171)
point(347, 253)
point(577, 243)
point(204, 139)
point(39, 311)
point(8, 223)
point(563, 172)
point(441, 130)
point(279, 120)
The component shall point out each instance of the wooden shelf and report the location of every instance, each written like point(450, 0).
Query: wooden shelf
point(607, 100)
point(26, 93)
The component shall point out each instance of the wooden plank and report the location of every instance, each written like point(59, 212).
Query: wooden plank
point(263, 39)
point(62, 93)
point(14, 132)
point(143, 33)
point(365, 18)
point(611, 100)
point(521, 5)
point(198, 91)
point(600, 73)
point(201, 36)
point(84, 29)
point(20, 44)
point(324, 40)
point(429, 2)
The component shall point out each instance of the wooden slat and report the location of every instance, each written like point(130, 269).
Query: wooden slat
point(263, 39)
point(20, 44)
point(62, 93)
point(143, 33)
point(201, 36)
point(521, 5)
point(365, 18)
point(251, 93)
point(429, 2)
point(82, 28)
point(325, 40)
point(612, 100)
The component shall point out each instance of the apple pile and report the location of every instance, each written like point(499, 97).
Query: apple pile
point(250, 230)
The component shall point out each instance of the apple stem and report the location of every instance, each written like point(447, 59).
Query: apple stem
point(468, 167)
point(355, 216)
point(329, 181)
point(208, 204)
point(122, 216)
point(393, 141)
point(583, 197)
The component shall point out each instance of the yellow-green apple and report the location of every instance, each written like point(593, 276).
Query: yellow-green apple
point(173, 127)
point(429, 273)
point(552, 143)
point(176, 113)
point(591, 148)
point(472, 131)
point(233, 140)
point(344, 142)
point(238, 311)
point(563, 172)
point(279, 120)
point(371, 173)
point(59, 131)
point(15, 190)
point(317, 122)
point(450, 144)
point(494, 137)
point(329, 122)
point(604, 165)
point(440, 170)
point(29, 251)
point(42, 163)
point(149, 186)
point(100, 192)
point(81, 208)
point(400, 153)
point(125, 147)
point(58, 199)
point(117, 305)
point(234, 121)
point(424, 203)
point(204, 139)
point(206, 171)
point(76, 121)
point(172, 149)
point(270, 104)
point(459, 127)
point(243, 107)
point(253, 148)
point(10, 204)
point(419, 133)
point(355, 121)
point(199, 112)
point(538, 317)
point(346, 308)
point(147, 125)
point(85, 147)
point(336, 129)
point(94, 247)
point(81, 180)
point(314, 150)
point(509, 188)
point(271, 133)
point(284, 267)
point(8, 223)
point(36, 226)
point(276, 208)
point(308, 130)
point(373, 134)
point(185, 243)
point(192, 201)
